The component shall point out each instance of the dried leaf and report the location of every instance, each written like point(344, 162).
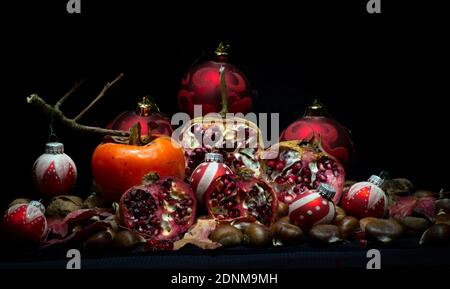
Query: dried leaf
point(426, 206)
point(198, 235)
point(404, 206)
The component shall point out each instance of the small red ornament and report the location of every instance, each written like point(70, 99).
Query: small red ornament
point(335, 138)
point(313, 207)
point(201, 85)
point(366, 199)
point(26, 222)
point(54, 172)
point(206, 173)
point(147, 112)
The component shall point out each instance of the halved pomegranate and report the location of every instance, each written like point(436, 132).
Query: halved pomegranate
point(159, 209)
point(241, 195)
point(298, 166)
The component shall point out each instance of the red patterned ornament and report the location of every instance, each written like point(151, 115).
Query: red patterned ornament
point(26, 222)
point(366, 199)
point(201, 85)
point(335, 138)
point(147, 112)
point(313, 207)
point(54, 172)
point(206, 173)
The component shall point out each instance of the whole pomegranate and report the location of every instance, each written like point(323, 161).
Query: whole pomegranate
point(297, 166)
point(147, 112)
point(160, 208)
point(236, 138)
point(241, 195)
point(316, 121)
point(201, 85)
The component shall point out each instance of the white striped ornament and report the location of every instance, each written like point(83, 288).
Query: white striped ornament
point(365, 199)
point(204, 176)
point(311, 208)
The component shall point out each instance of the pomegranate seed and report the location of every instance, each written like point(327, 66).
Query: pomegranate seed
point(292, 179)
point(296, 167)
point(271, 164)
point(280, 180)
point(280, 165)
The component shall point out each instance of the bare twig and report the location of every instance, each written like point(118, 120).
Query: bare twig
point(99, 96)
point(38, 102)
point(69, 93)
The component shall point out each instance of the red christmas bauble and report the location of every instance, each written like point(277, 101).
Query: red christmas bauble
point(54, 172)
point(201, 85)
point(25, 222)
point(366, 199)
point(146, 113)
point(206, 173)
point(335, 138)
point(313, 207)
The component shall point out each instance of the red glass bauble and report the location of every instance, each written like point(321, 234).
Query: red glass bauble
point(25, 222)
point(334, 137)
point(366, 199)
point(201, 85)
point(147, 112)
point(313, 207)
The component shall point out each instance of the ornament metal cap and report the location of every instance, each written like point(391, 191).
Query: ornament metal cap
point(326, 191)
point(376, 180)
point(38, 205)
point(214, 157)
point(54, 148)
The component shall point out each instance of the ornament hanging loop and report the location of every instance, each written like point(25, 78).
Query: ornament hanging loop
point(385, 175)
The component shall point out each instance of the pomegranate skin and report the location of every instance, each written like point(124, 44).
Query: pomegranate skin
point(201, 85)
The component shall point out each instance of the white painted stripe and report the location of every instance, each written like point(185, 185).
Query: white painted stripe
point(303, 201)
point(329, 217)
point(206, 180)
point(375, 195)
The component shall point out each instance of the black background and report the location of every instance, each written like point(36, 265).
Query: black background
point(371, 70)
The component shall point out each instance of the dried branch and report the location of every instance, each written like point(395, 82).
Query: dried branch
point(57, 114)
point(69, 93)
point(47, 109)
point(99, 96)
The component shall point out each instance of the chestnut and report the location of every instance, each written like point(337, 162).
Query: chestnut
point(414, 225)
point(258, 235)
point(93, 201)
point(340, 214)
point(443, 205)
point(348, 226)
point(100, 241)
point(384, 230)
point(286, 234)
point(282, 210)
point(227, 235)
point(423, 193)
point(442, 219)
point(325, 233)
point(436, 234)
point(127, 239)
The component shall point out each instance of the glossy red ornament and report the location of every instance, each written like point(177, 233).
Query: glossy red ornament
point(335, 138)
point(313, 207)
point(206, 173)
point(147, 112)
point(201, 85)
point(54, 172)
point(25, 222)
point(366, 199)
